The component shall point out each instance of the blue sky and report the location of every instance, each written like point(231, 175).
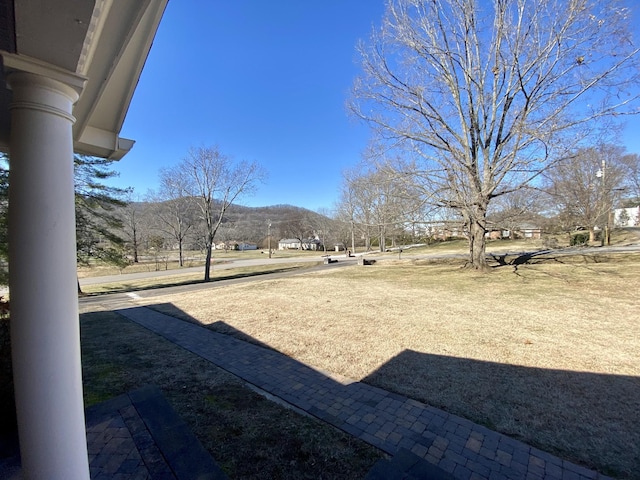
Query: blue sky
point(266, 81)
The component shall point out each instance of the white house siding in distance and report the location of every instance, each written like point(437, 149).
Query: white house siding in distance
point(627, 217)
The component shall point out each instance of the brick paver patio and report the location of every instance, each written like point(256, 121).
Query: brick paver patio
point(386, 420)
point(137, 436)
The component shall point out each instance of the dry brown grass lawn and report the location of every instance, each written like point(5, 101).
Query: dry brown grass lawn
point(546, 352)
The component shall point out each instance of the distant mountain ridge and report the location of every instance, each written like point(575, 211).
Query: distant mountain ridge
point(243, 223)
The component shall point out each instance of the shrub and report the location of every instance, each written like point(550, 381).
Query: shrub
point(580, 238)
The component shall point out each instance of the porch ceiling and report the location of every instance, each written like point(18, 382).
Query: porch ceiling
point(106, 41)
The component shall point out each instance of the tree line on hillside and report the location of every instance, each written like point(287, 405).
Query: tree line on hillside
point(152, 226)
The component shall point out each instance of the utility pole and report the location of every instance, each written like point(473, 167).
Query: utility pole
point(605, 203)
point(269, 236)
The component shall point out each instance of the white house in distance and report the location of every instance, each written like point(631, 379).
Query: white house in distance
point(296, 244)
point(627, 217)
point(242, 246)
point(69, 70)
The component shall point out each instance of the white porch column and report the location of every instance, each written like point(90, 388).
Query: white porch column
point(42, 257)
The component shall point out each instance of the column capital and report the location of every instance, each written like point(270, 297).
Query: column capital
point(14, 64)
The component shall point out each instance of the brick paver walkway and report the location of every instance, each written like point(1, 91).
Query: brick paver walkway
point(386, 420)
point(136, 436)
point(120, 445)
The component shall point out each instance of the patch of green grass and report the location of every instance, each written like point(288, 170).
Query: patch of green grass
point(218, 401)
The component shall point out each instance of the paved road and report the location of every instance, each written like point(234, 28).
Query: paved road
point(114, 300)
point(216, 265)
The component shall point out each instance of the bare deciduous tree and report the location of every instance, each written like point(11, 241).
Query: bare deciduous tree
point(586, 187)
point(326, 228)
point(173, 210)
point(630, 164)
point(214, 181)
point(486, 95)
point(298, 225)
point(378, 203)
point(511, 211)
point(358, 202)
point(346, 213)
point(135, 225)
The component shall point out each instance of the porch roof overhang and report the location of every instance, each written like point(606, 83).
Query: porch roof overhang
point(105, 42)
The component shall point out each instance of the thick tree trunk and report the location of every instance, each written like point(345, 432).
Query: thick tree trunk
point(135, 252)
point(207, 263)
point(180, 259)
point(477, 244)
point(135, 246)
